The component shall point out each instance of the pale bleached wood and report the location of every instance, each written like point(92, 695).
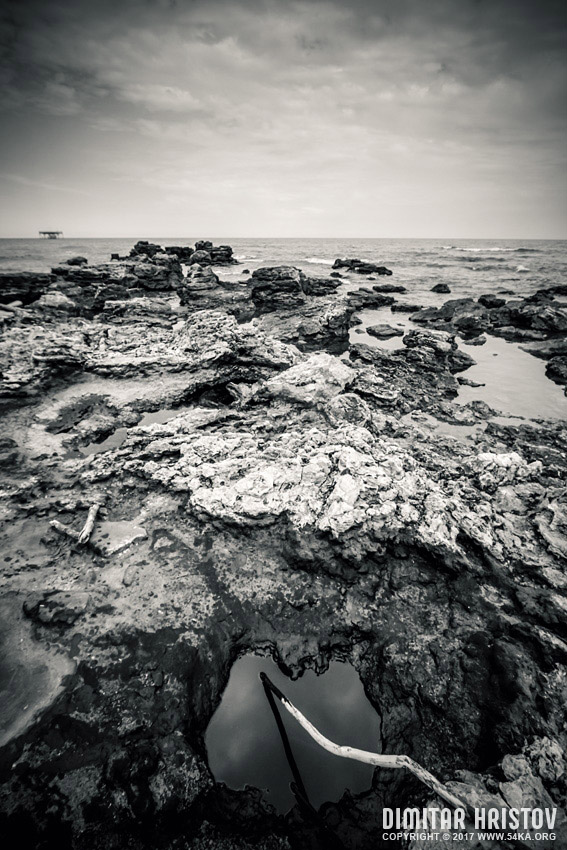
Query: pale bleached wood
point(64, 529)
point(89, 524)
point(379, 760)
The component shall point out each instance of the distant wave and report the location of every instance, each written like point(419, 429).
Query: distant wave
point(476, 259)
point(491, 249)
point(522, 269)
point(319, 261)
point(245, 256)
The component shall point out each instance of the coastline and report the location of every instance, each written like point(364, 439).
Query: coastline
point(305, 495)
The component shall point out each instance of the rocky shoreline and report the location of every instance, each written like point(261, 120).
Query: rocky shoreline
point(267, 485)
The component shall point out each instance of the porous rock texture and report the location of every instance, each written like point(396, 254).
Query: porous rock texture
point(293, 501)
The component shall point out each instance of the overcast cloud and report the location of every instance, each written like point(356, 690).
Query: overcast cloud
point(402, 118)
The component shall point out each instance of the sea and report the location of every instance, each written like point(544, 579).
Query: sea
point(514, 381)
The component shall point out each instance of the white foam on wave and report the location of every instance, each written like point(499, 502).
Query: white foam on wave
point(490, 248)
point(319, 261)
point(245, 256)
point(522, 269)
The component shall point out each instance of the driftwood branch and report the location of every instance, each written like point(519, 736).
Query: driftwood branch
point(89, 524)
point(84, 534)
point(64, 529)
point(379, 760)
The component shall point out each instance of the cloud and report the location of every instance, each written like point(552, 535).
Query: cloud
point(318, 95)
point(20, 180)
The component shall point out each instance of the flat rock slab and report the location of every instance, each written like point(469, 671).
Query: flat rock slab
point(31, 676)
point(384, 331)
point(109, 538)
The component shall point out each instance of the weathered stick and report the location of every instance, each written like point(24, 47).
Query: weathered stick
point(89, 524)
point(392, 761)
point(64, 529)
point(82, 536)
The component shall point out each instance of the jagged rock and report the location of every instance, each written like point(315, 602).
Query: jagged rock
point(514, 334)
point(221, 255)
point(491, 301)
point(208, 343)
point(144, 248)
point(164, 273)
point(318, 323)
point(199, 278)
point(22, 286)
point(556, 369)
point(367, 299)
point(284, 286)
point(466, 382)
point(556, 289)
point(319, 286)
point(522, 789)
point(278, 287)
point(77, 261)
point(361, 267)
point(541, 316)
point(183, 253)
point(388, 287)
point(441, 287)
point(443, 347)
point(476, 340)
point(405, 308)
point(465, 315)
point(547, 349)
point(149, 309)
point(534, 318)
point(441, 343)
point(311, 382)
point(203, 258)
point(55, 300)
point(30, 359)
point(204, 253)
point(202, 289)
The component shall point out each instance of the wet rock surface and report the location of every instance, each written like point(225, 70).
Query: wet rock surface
point(303, 498)
point(540, 317)
point(361, 266)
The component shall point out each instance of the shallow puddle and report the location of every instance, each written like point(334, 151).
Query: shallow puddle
point(513, 381)
point(245, 748)
point(447, 429)
point(116, 439)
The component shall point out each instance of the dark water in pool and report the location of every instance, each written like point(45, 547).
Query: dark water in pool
point(244, 746)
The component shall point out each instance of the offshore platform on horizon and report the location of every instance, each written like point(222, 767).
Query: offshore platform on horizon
point(50, 234)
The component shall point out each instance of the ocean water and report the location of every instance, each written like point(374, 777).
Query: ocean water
point(515, 382)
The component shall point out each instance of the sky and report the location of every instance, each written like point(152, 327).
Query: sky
point(266, 118)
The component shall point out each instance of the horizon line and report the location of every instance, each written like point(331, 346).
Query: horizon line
point(306, 238)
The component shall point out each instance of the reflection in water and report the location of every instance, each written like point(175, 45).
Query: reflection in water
point(244, 746)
